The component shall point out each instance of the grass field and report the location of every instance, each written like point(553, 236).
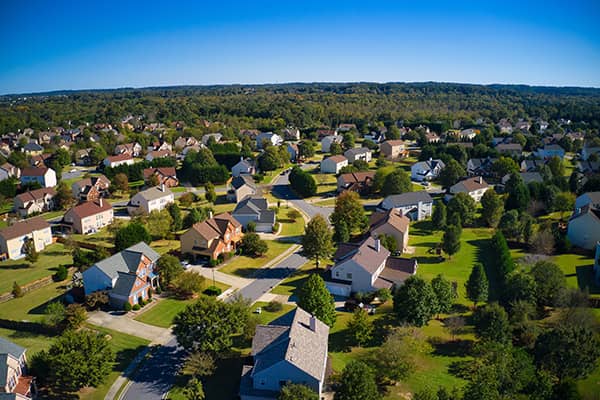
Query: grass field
point(22, 272)
point(288, 226)
point(31, 307)
point(101, 238)
point(290, 285)
point(247, 266)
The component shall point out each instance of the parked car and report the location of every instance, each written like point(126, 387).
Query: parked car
point(258, 310)
point(185, 264)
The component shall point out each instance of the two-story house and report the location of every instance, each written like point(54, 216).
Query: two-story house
point(481, 166)
point(415, 205)
point(119, 159)
point(45, 176)
point(155, 154)
point(282, 354)
point(512, 149)
point(358, 153)
point(7, 170)
point(393, 149)
point(244, 166)
point(426, 170)
point(255, 209)
point(156, 198)
point(164, 175)
point(14, 237)
point(131, 149)
point(359, 182)
point(213, 237)
point(89, 217)
point(241, 187)
point(269, 138)
point(328, 140)
point(474, 187)
point(127, 276)
point(91, 189)
point(333, 164)
point(14, 383)
point(549, 151)
point(391, 223)
point(34, 201)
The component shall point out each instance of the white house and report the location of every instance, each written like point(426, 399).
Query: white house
point(358, 153)
point(474, 187)
point(244, 166)
point(426, 170)
point(119, 159)
point(14, 237)
point(156, 198)
point(269, 137)
point(333, 164)
point(584, 227)
point(415, 205)
point(45, 176)
point(327, 141)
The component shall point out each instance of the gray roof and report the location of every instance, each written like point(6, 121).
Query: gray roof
point(32, 146)
point(242, 180)
point(8, 348)
point(407, 199)
point(154, 193)
point(296, 344)
point(255, 206)
point(529, 177)
point(124, 284)
point(356, 151)
point(127, 260)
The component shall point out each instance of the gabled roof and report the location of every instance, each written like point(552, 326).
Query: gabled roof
point(119, 157)
point(37, 194)
point(392, 217)
point(155, 192)
point(408, 199)
point(242, 180)
point(394, 143)
point(32, 146)
point(469, 185)
point(297, 344)
point(357, 177)
point(127, 261)
point(336, 159)
point(125, 283)
point(164, 171)
point(215, 227)
point(256, 206)
point(34, 171)
point(428, 165)
point(24, 227)
point(366, 254)
point(8, 347)
point(89, 208)
point(356, 151)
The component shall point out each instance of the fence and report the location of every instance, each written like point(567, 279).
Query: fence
point(40, 283)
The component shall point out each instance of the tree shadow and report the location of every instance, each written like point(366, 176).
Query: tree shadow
point(586, 279)
point(40, 309)
point(485, 257)
point(340, 341)
point(451, 348)
point(15, 266)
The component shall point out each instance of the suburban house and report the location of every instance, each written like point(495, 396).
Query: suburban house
point(40, 160)
point(393, 149)
point(89, 217)
point(45, 176)
point(333, 164)
point(119, 159)
point(504, 126)
point(359, 182)
point(292, 149)
point(206, 138)
point(255, 209)
point(127, 276)
point(474, 187)
point(182, 142)
point(480, 166)
point(291, 133)
point(468, 134)
point(13, 238)
point(153, 155)
point(584, 227)
point(513, 149)
point(391, 223)
point(34, 201)
point(7, 170)
point(367, 267)
point(244, 166)
point(156, 198)
point(587, 151)
point(32, 149)
point(358, 153)
point(91, 189)
point(590, 198)
point(527, 177)
point(550, 150)
point(426, 170)
point(14, 384)
point(522, 125)
point(241, 187)
point(213, 237)
point(295, 353)
point(415, 205)
point(130, 149)
point(532, 165)
point(268, 137)
point(327, 141)
point(165, 176)
point(346, 127)
point(432, 137)
point(588, 167)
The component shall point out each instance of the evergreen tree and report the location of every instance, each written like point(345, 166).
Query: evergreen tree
point(451, 240)
point(477, 285)
point(175, 212)
point(341, 233)
point(314, 298)
point(451, 173)
point(491, 323)
point(131, 234)
point(444, 293)
point(357, 383)
point(492, 208)
point(360, 327)
point(209, 192)
point(438, 217)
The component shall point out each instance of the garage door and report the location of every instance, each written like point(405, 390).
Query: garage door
point(338, 289)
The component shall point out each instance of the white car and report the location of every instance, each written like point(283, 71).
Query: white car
point(185, 264)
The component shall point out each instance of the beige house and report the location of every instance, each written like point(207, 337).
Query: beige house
point(14, 384)
point(391, 223)
point(242, 186)
point(89, 217)
point(213, 237)
point(13, 238)
point(34, 201)
point(393, 149)
point(474, 187)
point(156, 198)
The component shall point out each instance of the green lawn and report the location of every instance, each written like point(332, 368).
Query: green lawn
point(266, 317)
point(52, 214)
point(22, 272)
point(33, 342)
point(125, 347)
point(290, 285)
point(247, 266)
point(325, 203)
point(288, 226)
point(101, 238)
point(178, 189)
point(31, 306)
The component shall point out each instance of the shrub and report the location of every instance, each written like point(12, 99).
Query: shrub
point(212, 291)
point(136, 307)
point(275, 227)
point(251, 226)
point(17, 291)
point(61, 274)
point(150, 292)
point(274, 306)
point(158, 290)
point(141, 301)
point(127, 307)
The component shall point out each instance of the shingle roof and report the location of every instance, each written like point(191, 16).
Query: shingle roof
point(125, 282)
point(164, 171)
point(356, 151)
point(367, 256)
point(33, 195)
point(356, 177)
point(154, 193)
point(34, 171)
point(24, 227)
point(127, 260)
point(408, 199)
point(397, 220)
point(90, 208)
point(215, 227)
point(242, 180)
point(119, 157)
point(8, 347)
point(469, 185)
point(337, 158)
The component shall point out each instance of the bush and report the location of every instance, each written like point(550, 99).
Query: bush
point(61, 274)
point(251, 226)
point(212, 291)
point(150, 292)
point(127, 307)
point(158, 290)
point(136, 307)
point(141, 302)
point(17, 291)
point(274, 306)
point(275, 227)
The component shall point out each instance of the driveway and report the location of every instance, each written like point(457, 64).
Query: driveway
point(231, 280)
point(125, 324)
point(282, 189)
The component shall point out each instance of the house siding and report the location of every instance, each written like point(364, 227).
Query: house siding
point(584, 231)
point(284, 371)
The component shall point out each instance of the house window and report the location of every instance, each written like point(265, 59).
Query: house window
point(337, 273)
point(349, 275)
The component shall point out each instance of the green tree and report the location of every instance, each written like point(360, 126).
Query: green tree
point(415, 301)
point(158, 223)
point(175, 213)
point(296, 391)
point(444, 293)
point(551, 284)
point(564, 202)
point(556, 166)
point(76, 359)
point(348, 140)
point(477, 285)
point(451, 240)
point(55, 314)
point(17, 291)
point(396, 358)
point(64, 196)
point(518, 194)
point(349, 209)
point(317, 242)
point(341, 234)
point(464, 206)
point(97, 154)
point(75, 316)
point(451, 173)
point(335, 149)
point(360, 327)
point(209, 192)
point(519, 287)
point(208, 325)
point(169, 268)
point(31, 253)
point(293, 214)
point(503, 260)
point(199, 365)
point(306, 149)
point(121, 181)
point(397, 182)
point(195, 215)
point(131, 234)
point(314, 298)
point(194, 390)
point(504, 166)
point(253, 245)
point(438, 217)
point(357, 383)
point(491, 323)
point(188, 283)
point(302, 182)
point(492, 208)
point(389, 242)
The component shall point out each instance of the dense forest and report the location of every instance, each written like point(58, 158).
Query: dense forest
point(270, 107)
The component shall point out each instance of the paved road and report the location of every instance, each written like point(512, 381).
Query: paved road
point(156, 375)
point(281, 189)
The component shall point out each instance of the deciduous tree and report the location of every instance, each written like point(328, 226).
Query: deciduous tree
point(415, 301)
point(317, 241)
point(314, 298)
point(357, 383)
point(360, 327)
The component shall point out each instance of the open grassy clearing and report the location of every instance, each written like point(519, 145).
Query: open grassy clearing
point(22, 272)
point(289, 227)
point(32, 306)
point(245, 266)
point(290, 285)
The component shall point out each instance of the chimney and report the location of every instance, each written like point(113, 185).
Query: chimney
point(210, 214)
point(313, 323)
point(162, 187)
point(100, 202)
point(377, 245)
point(481, 180)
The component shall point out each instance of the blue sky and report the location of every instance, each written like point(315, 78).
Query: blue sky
point(52, 45)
